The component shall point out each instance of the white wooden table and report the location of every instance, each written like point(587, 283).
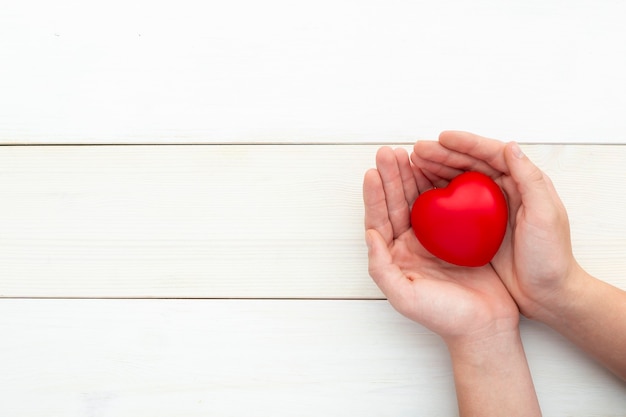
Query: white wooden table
point(205, 256)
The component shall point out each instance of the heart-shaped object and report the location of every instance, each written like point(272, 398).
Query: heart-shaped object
point(463, 223)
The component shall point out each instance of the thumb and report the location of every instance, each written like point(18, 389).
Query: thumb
point(530, 180)
point(387, 275)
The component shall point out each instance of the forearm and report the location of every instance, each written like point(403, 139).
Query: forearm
point(492, 377)
point(592, 314)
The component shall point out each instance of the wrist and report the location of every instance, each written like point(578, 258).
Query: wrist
point(563, 298)
point(491, 375)
point(485, 344)
point(479, 348)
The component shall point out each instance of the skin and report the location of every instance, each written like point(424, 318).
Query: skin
point(470, 308)
point(535, 262)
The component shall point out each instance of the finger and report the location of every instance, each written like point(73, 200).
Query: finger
point(534, 189)
point(376, 216)
point(512, 194)
point(458, 162)
point(436, 180)
point(490, 151)
point(423, 183)
point(441, 171)
point(409, 183)
point(387, 275)
point(397, 205)
point(421, 179)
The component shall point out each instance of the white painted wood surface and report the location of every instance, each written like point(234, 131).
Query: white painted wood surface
point(245, 222)
point(281, 221)
point(268, 233)
point(195, 71)
point(126, 358)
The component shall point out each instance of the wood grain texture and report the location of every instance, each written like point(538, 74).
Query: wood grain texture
point(123, 358)
point(193, 71)
point(247, 220)
point(237, 221)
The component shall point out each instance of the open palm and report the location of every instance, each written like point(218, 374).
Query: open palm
point(452, 301)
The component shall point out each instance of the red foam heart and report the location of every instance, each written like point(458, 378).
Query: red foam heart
point(463, 223)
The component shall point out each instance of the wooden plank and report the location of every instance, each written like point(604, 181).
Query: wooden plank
point(200, 221)
point(237, 221)
point(137, 71)
point(262, 357)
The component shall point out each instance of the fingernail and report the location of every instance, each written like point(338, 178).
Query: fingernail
point(517, 151)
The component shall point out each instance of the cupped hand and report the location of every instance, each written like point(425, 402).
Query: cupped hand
point(535, 261)
point(452, 301)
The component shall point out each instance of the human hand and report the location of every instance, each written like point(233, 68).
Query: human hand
point(535, 261)
point(456, 303)
point(468, 307)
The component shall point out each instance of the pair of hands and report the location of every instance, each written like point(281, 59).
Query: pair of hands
point(532, 268)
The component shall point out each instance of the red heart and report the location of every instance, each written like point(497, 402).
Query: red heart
point(464, 223)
